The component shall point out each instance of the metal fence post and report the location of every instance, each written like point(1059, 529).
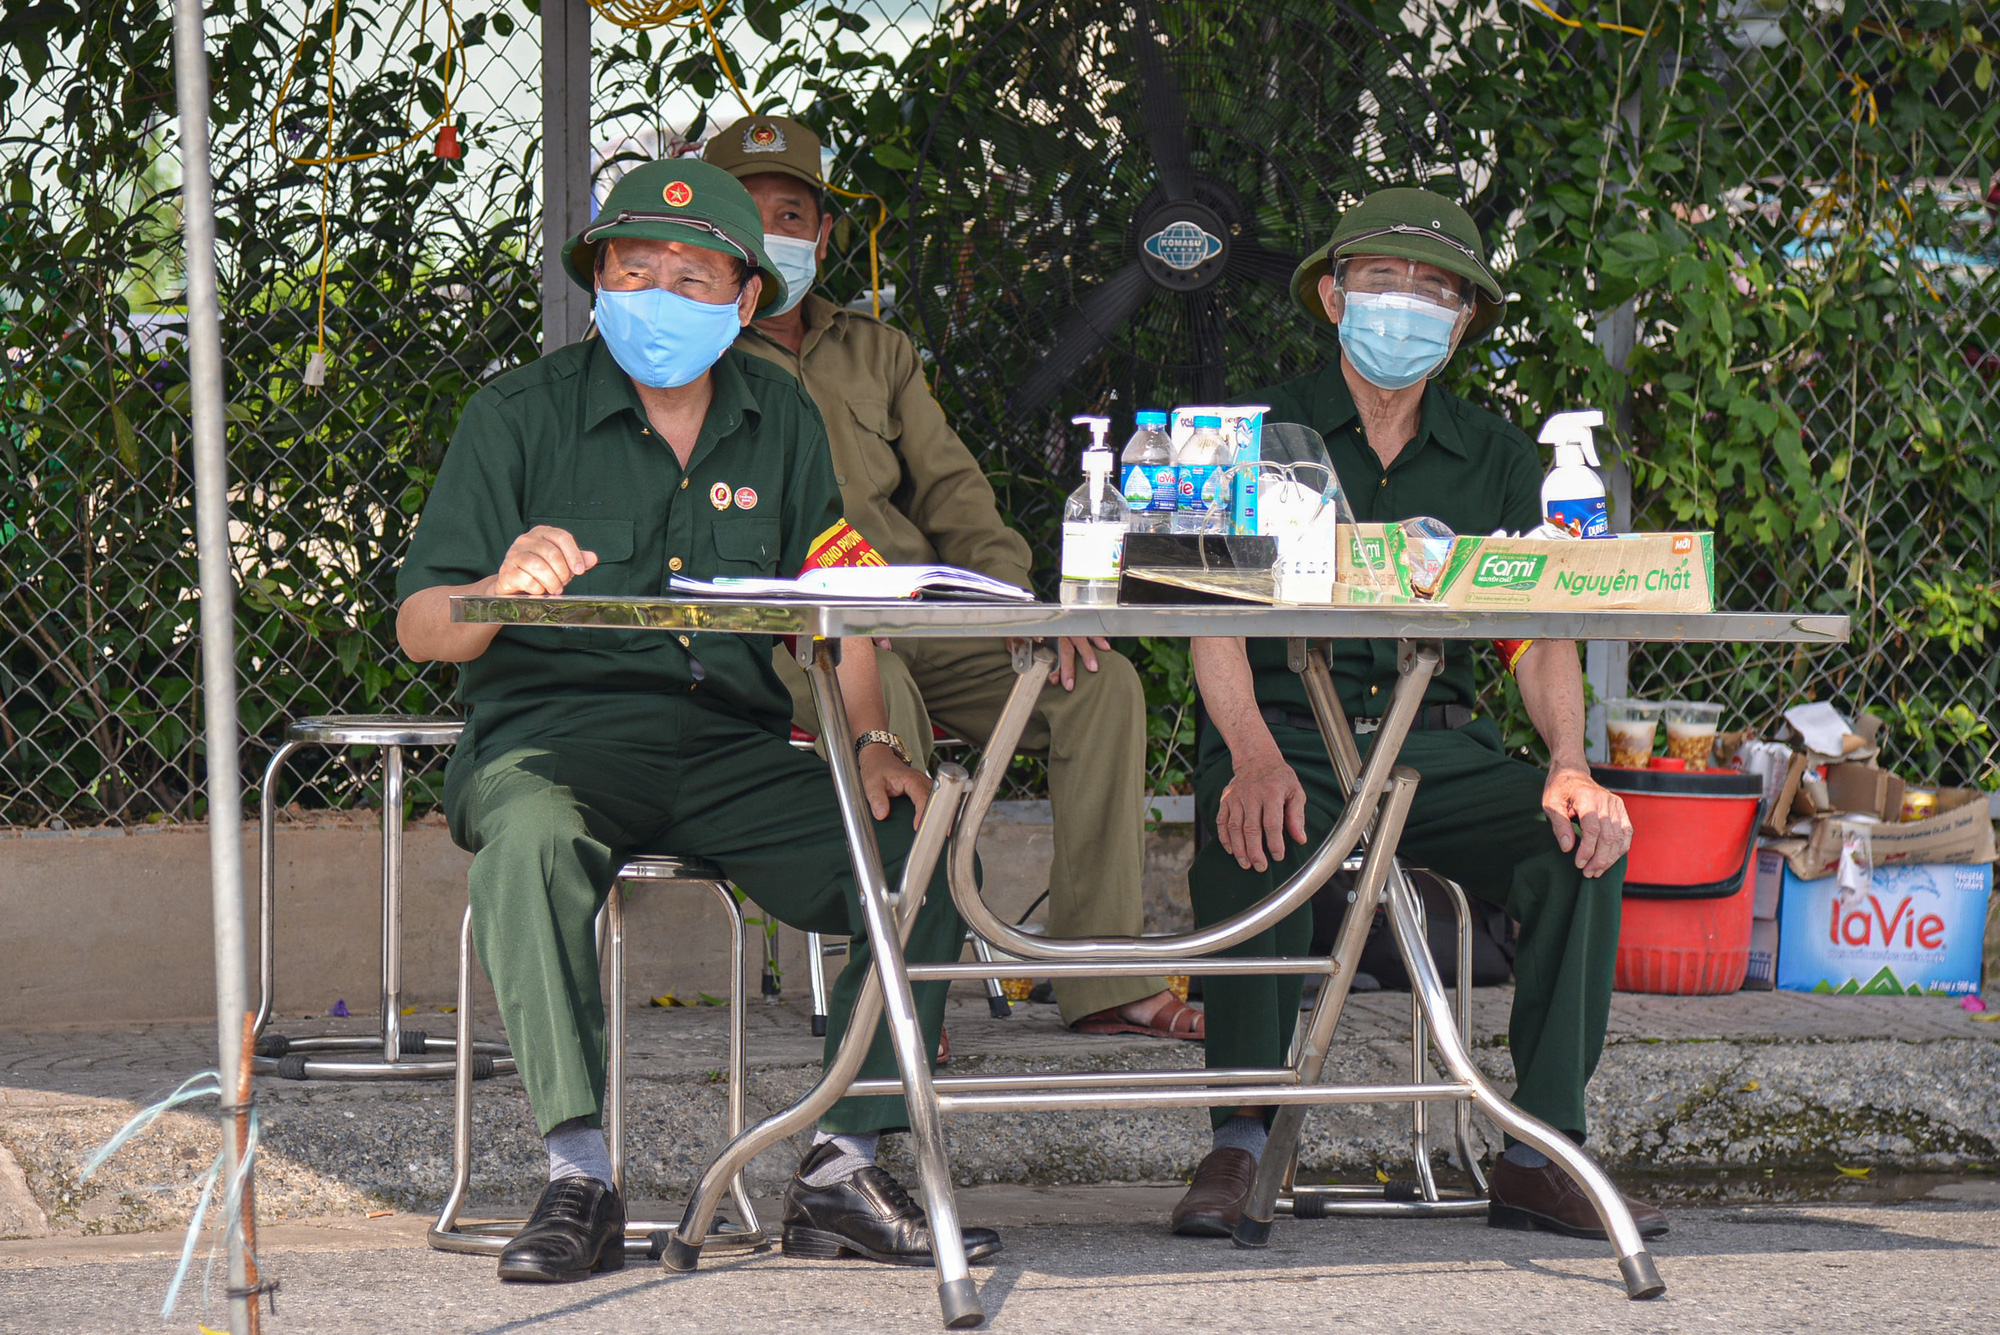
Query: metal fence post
point(1606, 665)
point(565, 163)
point(218, 616)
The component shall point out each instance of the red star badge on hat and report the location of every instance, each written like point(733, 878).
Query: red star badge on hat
point(678, 194)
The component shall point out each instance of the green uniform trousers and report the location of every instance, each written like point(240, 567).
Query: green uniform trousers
point(1094, 739)
point(1477, 818)
point(551, 801)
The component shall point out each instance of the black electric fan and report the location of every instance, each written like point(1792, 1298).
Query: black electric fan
point(1111, 198)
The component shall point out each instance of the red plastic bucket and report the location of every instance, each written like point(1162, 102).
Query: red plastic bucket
point(1689, 894)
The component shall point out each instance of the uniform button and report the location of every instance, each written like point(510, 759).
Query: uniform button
point(674, 564)
point(1374, 690)
point(683, 639)
point(1385, 481)
point(644, 432)
point(684, 484)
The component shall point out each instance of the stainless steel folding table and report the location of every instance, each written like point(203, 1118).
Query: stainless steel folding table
point(1379, 795)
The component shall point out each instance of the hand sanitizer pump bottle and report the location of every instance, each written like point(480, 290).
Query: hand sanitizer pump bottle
point(1094, 522)
point(1573, 493)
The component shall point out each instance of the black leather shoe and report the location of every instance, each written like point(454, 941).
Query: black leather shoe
point(867, 1215)
point(578, 1227)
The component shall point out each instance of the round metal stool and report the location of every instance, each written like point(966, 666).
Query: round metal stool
point(643, 1237)
point(396, 1053)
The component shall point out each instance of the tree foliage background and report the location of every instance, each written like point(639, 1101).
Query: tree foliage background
point(1759, 231)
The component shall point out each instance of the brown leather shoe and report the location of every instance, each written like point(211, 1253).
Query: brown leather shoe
point(1546, 1198)
point(1214, 1200)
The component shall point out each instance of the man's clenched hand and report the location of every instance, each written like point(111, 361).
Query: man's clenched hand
point(1572, 795)
point(541, 562)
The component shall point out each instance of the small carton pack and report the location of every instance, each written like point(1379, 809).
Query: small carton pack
point(1914, 929)
point(1762, 975)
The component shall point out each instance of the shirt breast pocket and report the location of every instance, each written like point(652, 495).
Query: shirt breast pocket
point(880, 429)
point(611, 540)
point(746, 547)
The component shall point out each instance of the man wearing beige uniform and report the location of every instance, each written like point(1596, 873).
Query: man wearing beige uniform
point(913, 489)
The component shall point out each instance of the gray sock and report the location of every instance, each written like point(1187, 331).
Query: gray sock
point(1523, 1155)
point(856, 1153)
point(1242, 1133)
point(577, 1149)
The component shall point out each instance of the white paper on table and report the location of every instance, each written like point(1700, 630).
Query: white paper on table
point(1856, 875)
point(1820, 726)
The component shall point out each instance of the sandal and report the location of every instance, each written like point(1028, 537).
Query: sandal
point(1176, 1019)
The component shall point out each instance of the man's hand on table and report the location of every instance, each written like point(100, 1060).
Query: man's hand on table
point(1262, 805)
point(1572, 795)
point(541, 563)
point(885, 778)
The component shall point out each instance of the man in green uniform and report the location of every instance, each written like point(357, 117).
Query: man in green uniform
point(607, 467)
point(913, 489)
point(1403, 278)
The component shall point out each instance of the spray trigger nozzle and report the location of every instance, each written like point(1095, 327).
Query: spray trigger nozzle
point(1572, 430)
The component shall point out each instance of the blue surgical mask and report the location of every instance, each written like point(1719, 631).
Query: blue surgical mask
point(797, 262)
point(662, 338)
point(1395, 340)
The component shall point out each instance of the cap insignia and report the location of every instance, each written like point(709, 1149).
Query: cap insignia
point(763, 138)
point(678, 193)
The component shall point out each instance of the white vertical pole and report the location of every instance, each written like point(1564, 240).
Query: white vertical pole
point(218, 603)
point(565, 163)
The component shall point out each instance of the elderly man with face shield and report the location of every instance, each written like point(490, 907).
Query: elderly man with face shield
point(606, 467)
point(1403, 281)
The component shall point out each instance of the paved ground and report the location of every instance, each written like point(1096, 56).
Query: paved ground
point(1075, 1262)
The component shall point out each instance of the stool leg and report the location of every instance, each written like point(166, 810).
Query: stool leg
point(816, 970)
point(392, 904)
point(997, 1004)
point(614, 1093)
point(267, 880)
point(1420, 1140)
point(1462, 1111)
point(739, 1001)
point(773, 986)
point(461, 1092)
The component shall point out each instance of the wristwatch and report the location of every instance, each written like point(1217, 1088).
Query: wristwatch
point(886, 738)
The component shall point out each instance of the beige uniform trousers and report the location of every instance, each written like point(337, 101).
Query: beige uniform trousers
point(1094, 739)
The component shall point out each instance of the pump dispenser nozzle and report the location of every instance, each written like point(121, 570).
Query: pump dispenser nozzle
point(1572, 431)
point(1099, 428)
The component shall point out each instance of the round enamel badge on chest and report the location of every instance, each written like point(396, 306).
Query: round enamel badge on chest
point(718, 495)
point(746, 499)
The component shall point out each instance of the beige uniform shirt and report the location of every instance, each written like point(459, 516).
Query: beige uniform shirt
point(909, 484)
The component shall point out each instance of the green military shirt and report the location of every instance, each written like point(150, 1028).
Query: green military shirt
point(565, 441)
point(1467, 467)
point(910, 485)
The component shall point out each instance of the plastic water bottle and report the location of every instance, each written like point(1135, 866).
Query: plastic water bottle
point(1094, 520)
point(1573, 493)
point(1148, 478)
point(1204, 451)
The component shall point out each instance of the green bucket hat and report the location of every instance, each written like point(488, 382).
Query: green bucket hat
point(680, 199)
point(1409, 224)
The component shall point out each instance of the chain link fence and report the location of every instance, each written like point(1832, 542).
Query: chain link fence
point(1847, 192)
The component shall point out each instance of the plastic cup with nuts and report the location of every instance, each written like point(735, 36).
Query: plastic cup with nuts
point(1629, 727)
point(1691, 731)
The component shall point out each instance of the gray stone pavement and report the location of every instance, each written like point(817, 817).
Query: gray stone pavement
point(1707, 1089)
point(1076, 1261)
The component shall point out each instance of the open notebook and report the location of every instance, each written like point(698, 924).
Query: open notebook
point(872, 584)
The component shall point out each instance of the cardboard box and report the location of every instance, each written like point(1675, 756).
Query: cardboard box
point(1769, 880)
point(1865, 790)
point(1660, 572)
point(1917, 930)
point(1961, 834)
point(1763, 973)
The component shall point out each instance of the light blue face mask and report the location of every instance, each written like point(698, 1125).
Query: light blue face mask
point(797, 262)
point(1395, 340)
point(662, 338)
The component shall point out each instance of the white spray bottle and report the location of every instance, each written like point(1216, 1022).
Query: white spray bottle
point(1094, 523)
point(1573, 493)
